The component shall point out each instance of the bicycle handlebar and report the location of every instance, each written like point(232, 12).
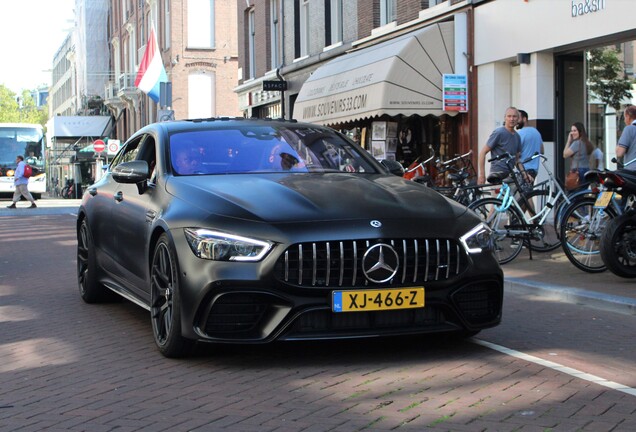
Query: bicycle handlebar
point(505, 155)
point(534, 156)
point(455, 159)
point(421, 164)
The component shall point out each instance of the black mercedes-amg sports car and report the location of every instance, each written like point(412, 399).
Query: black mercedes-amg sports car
point(252, 231)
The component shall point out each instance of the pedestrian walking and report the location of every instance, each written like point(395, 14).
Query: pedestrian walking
point(531, 143)
point(21, 184)
point(504, 139)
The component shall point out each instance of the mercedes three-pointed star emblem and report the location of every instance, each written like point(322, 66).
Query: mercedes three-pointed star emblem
point(380, 263)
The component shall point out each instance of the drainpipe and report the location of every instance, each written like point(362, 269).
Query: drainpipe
point(282, 94)
point(281, 15)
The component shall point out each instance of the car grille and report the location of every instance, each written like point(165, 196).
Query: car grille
point(240, 313)
point(339, 263)
point(479, 303)
point(319, 322)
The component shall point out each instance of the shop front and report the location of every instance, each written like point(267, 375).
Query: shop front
point(572, 62)
point(389, 97)
point(71, 158)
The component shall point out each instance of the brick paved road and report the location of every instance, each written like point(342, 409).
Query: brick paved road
point(65, 365)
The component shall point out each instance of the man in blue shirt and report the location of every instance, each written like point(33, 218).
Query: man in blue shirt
point(531, 143)
point(626, 147)
point(21, 184)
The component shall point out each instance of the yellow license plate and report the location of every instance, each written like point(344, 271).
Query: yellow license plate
point(378, 299)
point(604, 199)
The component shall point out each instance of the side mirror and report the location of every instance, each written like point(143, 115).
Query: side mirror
point(393, 167)
point(134, 172)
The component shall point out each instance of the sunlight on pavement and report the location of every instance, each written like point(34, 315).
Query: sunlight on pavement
point(35, 353)
point(15, 313)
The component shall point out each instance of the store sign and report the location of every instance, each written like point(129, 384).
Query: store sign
point(455, 97)
point(274, 85)
point(584, 7)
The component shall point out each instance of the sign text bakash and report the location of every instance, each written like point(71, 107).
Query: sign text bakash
point(583, 7)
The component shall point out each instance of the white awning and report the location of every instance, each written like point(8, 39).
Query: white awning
point(400, 76)
point(77, 126)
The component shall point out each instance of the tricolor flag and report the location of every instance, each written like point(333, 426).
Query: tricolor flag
point(151, 71)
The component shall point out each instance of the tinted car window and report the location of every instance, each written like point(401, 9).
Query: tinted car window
point(128, 154)
point(265, 149)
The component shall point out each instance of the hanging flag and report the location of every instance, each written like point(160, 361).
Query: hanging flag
point(151, 71)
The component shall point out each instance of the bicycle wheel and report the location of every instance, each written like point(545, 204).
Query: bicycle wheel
point(548, 232)
point(506, 247)
point(581, 230)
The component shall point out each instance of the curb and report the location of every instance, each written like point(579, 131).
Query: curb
point(578, 296)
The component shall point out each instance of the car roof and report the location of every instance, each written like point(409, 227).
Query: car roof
point(173, 126)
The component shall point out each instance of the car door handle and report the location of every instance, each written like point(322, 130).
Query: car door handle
point(151, 215)
point(119, 196)
point(92, 191)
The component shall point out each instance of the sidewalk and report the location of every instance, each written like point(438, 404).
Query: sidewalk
point(551, 275)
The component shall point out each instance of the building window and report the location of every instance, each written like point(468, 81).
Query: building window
point(387, 11)
point(166, 24)
point(274, 25)
point(201, 24)
point(201, 95)
point(333, 22)
point(251, 37)
point(304, 28)
point(124, 11)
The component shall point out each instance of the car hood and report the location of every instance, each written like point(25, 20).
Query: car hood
point(280, 198)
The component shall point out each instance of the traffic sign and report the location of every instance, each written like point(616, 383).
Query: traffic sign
point(99, 146)
point(113, 146)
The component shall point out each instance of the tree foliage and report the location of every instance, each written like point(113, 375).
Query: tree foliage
point(606, 78)
point(23, 110)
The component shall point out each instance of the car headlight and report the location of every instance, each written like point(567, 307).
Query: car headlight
point(218, 246)
point(477, 239)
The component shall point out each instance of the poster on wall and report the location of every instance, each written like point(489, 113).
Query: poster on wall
point(378, 150)
point(379, 131)
point(391, 144)
point(392, 130)
point(455, 96)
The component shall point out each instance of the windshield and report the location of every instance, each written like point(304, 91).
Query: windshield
point(23, 141)
point(264, 150)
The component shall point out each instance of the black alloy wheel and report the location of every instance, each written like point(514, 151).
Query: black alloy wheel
point(165, 305)
point(91, 290)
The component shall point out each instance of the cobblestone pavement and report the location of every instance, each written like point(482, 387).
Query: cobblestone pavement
point(66, 365)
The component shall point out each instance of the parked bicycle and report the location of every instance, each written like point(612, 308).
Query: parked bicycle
point(522, 213)
point(585, 220)
point(422, 170)
point(68, 191)
point(460, 177)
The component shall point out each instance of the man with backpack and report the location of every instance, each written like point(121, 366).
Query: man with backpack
point(21, 183)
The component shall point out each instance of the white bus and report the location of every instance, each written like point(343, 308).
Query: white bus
point(26, 140)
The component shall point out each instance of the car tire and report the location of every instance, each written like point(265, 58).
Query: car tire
point(618, 246)
point(165, 301)
point(91, 290)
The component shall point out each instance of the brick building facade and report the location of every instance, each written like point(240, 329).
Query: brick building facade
point(198, 46)
point(310, 35)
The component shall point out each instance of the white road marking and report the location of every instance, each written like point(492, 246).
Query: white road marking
point(557, 367)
